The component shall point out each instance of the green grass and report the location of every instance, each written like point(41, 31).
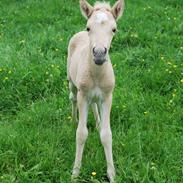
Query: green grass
point(37, 137)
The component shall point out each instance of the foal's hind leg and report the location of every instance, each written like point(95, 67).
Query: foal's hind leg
point(73, 98)
point(96, 114)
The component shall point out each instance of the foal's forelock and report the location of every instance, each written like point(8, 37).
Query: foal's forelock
point(101, 7)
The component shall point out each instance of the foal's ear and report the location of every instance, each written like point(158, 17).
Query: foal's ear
point(86, 8)
point(117, 9)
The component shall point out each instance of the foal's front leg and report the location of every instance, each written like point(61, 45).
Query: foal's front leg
point(106, 136)
point(81, 133)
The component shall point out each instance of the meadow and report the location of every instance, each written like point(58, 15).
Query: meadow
point(37, 136)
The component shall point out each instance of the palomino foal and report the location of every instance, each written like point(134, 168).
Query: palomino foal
point(91, 76)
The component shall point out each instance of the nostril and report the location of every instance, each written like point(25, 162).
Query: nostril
point(94, 50)
point(105, 50)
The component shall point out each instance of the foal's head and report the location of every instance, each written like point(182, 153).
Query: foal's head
point(101, 26)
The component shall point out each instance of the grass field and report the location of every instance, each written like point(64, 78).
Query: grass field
point(37, 136)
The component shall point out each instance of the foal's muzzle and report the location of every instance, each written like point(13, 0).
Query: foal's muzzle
point(99, 55)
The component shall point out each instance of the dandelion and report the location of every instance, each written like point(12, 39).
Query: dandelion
point(181, 80)
point(94, 173)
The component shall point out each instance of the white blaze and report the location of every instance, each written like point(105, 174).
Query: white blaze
point(101, 17)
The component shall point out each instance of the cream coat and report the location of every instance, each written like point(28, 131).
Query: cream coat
point(90, 83)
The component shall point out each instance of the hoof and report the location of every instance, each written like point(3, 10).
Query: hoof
point(75, 174)
point(111, 174)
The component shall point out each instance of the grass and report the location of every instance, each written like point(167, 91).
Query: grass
point(37, 137)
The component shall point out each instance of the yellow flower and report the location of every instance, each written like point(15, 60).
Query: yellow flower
point(181, 80)
point(94, 173)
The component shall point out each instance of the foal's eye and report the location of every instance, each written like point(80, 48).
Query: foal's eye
point(88, 29)
point(114, 30)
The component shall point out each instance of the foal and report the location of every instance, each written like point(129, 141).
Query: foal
point(91, 77)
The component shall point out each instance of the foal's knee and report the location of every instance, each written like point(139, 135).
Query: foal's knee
point(81, 135)
point(106, 136)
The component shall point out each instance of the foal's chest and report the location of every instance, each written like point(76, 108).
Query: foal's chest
point(95, 94)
